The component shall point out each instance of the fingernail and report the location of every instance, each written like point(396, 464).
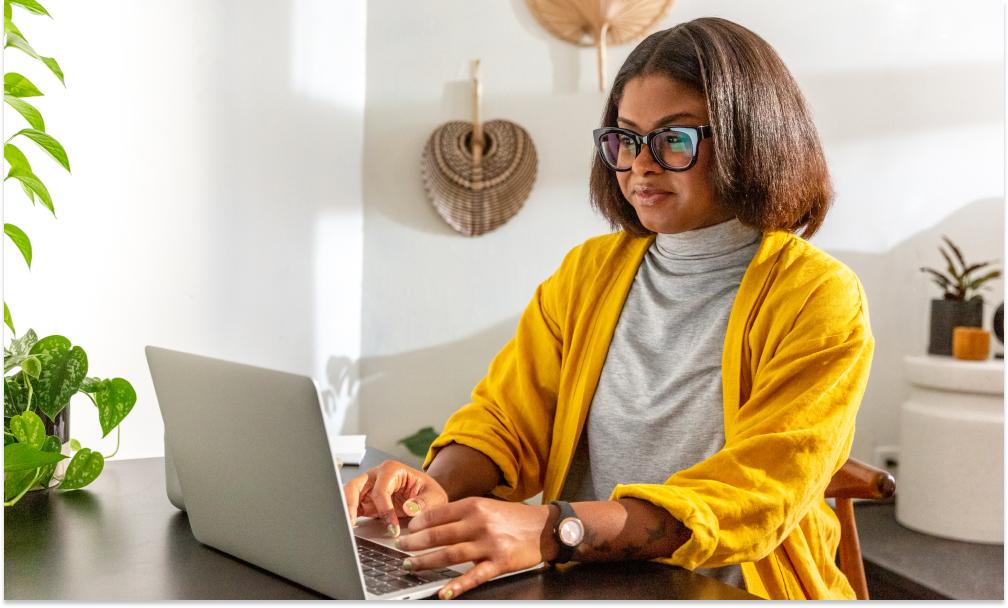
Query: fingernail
point(407, 564)
point(411, 507)
point(392, 530)
point(396, 543)
point(448, 594)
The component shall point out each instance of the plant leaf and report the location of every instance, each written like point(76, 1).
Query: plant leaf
point(15, 396)
point(84, 468)
point(31, 6)
point(51, 444)
point(955, 249)
point(17, 482)
point(419, 442)
point(950, 266)
point(115, 400)
point(91, 384)
point(54, 68)
point(32, 366)
point(17, 85)
point(20, 348)
point(942, 280)
point(33, 183)
point(18, 162)
point(13, 154)
point(9, 27)
point(48, 143)
point(7, 10)
point(75, 445)
point(63, 369)
point(16, 39)
point(28, 111)
point(976, 283)
point(28, 429)
point(8, 321)
point(20, 457)
point(21, 240)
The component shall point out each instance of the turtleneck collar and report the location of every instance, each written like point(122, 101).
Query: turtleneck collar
point(709, 242)
point(704, 249)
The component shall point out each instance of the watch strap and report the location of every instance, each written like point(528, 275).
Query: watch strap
point(566, 552)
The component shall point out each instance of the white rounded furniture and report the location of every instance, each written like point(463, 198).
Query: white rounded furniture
point(951, 467)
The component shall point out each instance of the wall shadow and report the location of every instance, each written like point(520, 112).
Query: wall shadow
point(404, 392)
point(899, 298)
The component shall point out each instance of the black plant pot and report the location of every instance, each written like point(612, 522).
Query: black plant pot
point(949, 314)
point(59, 427)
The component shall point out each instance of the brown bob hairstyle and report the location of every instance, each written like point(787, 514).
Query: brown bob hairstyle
point(768, 165)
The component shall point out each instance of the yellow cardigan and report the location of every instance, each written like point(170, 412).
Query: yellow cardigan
point(797, 352)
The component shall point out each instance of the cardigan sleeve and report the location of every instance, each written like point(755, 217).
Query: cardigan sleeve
point(510, 415)
point(789, 437)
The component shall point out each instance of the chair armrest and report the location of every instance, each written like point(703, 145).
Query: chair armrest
point(856, 479)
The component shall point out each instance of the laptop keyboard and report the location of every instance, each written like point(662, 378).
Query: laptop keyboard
point(383, 572)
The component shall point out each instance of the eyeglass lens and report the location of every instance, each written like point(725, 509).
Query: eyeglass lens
point(675, 148)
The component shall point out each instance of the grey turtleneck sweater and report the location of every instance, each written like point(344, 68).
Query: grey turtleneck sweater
point(658, 408)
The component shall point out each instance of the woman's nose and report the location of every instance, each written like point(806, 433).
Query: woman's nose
point(645, 163)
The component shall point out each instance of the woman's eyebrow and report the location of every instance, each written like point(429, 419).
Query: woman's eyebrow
point(663, 121)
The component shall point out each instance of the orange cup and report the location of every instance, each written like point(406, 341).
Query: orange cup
point(970, 343)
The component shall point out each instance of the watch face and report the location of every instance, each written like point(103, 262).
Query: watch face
point(571, 531)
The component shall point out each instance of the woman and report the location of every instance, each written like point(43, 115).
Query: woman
point(689, 383)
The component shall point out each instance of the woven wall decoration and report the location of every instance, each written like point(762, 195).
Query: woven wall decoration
point(478, 175)
point(599, 22)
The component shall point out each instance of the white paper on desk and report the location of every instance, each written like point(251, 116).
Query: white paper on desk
point(349, 449)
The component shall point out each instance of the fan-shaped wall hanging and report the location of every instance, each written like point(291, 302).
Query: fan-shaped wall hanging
point(599, 22)
point(478, 175)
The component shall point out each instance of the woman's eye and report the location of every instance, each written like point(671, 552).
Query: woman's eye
point(626, 140)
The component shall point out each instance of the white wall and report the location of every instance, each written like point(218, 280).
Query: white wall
point(231, 193)
point(215, 200)
point(908, 95)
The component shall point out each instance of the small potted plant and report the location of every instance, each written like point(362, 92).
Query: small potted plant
point(962, 303)
point(42, 374)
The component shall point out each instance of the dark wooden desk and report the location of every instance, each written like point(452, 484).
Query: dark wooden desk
point(120, 539)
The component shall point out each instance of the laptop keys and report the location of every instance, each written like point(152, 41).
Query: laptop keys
point(383, 572)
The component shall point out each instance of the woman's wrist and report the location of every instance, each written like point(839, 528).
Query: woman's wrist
point(549, 544)
point(463, 471)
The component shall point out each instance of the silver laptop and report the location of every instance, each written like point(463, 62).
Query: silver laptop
point(259, 481)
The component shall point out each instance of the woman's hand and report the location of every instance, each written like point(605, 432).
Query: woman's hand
point(390, 491)
point(500, 537)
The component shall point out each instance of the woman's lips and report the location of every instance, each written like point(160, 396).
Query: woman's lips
point(649, 196)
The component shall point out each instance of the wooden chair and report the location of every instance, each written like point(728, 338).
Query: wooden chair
point(856, 479)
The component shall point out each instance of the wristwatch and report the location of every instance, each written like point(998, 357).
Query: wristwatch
point(569, 531)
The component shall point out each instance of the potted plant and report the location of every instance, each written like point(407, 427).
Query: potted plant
point(41, 375)
point(962, 303)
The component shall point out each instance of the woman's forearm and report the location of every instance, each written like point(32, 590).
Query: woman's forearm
point(463, 471)
point(622, 529)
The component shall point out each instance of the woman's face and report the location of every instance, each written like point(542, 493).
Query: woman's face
point(668, 201)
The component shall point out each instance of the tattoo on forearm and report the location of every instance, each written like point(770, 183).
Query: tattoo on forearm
point(658, 533)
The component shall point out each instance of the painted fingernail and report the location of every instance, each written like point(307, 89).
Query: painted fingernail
point(396, 543)
point(407, 564)
point(411, 507)
point(448, 594)
point(392, 530)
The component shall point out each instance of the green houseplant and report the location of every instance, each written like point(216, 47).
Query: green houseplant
point(41, 375)
point(961, 304)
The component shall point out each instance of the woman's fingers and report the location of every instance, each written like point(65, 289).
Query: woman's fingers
point(441, 558)
point(438, 536)
point(442, 514)
point(477, 575)
point(355, 491)
point(389, 478)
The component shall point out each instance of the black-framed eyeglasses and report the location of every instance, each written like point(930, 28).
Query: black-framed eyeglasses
point(674, 148)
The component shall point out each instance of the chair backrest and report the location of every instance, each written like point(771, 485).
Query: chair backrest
point(856, 479)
